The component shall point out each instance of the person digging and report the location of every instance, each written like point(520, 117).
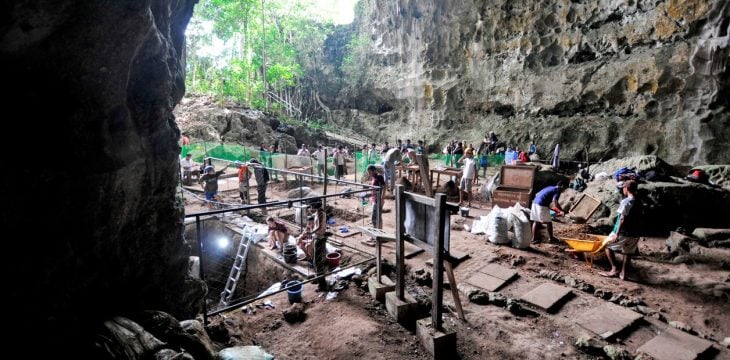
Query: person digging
point(540, 209)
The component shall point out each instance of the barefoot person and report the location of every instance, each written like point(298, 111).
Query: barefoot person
point(278, 234)
point(624, 235)
point(540, 210)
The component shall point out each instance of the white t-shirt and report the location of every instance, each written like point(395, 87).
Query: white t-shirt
point(303, 152)
point(469, 168)
point(392, 156)
point(339, 157)
point(186, 164)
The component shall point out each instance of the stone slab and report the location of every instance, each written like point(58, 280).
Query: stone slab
point(440, 343)
point(486, 282)
point(547, 296)
point(607, 320)
point(676, 345)
point(499, 271)
point(378, 289)
point(404, 312)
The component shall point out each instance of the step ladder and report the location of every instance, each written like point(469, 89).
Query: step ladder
point(238, 267)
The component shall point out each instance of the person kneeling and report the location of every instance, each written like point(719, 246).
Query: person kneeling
point(304, 240)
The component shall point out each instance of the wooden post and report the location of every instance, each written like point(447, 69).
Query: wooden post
point(425, 178)
point(400, 215)
point(438, 264)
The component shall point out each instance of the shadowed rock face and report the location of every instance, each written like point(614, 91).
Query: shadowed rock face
point(625, 77)
point(94, 83)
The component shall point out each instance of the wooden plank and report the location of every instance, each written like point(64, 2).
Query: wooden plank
point(377, 233)
point(425, 181)
point(454, 290)
point(412, 250)
point(584, 207)
point(400, 231)
point(437, 298)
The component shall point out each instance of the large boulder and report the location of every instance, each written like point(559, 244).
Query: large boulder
point(639, 163)
point(667, 205)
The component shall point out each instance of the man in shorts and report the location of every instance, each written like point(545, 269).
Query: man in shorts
point(540, 210)
point(624, 235)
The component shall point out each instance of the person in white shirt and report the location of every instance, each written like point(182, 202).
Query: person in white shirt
point(470, 173)
point(321, 160)
point(304, 151)
point(389, 161)
point(189, 169)
point(339, 155)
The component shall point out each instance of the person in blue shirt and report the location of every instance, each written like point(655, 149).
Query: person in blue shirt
point(540, 210)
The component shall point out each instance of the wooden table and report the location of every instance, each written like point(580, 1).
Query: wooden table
point(414, 169)
point(448, 172)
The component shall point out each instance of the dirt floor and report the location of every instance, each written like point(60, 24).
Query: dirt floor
point(354, 326)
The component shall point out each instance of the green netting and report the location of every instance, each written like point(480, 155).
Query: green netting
point(362, 161)
point(232, 152)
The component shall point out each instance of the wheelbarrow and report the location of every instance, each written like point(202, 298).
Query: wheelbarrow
point(590, 247)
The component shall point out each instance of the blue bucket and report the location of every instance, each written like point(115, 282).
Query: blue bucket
point(294, 291)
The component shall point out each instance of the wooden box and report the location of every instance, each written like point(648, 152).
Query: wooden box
point(516, 183)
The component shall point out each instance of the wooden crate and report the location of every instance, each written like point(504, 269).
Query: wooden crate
point(516, 186)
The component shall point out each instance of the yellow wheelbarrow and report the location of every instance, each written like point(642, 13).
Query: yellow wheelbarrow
point(590, 247)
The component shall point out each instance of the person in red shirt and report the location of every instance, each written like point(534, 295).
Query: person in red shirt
point(278, 234)
point(185, 140)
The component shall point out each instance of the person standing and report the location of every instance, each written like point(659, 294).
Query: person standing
point(420, 149)
point(372, 154)
point(185, 139)
point(376, 197)
point(189, 170)
point(624, 236)
point(321, 161)
point(211, 185)
point(244, 175)
point(339, 155)
point(389, 161)
point(540, 210)
point(262, 180)
point(304, 151)
point(319, 237)
point(467, 179)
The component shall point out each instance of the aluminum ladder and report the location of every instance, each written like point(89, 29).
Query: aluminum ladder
point(238, 267)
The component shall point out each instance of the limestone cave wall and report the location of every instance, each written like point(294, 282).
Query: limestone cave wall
point(90, 85)
point(625, 77)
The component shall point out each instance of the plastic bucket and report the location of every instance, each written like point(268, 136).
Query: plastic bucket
point(464, 211)
point(295, 291)
point(333, 259)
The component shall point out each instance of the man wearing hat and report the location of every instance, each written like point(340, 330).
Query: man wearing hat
point(209, 181)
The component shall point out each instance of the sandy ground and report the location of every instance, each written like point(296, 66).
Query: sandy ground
point(354, 326)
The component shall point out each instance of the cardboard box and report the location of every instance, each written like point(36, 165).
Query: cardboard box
point(516, 183)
